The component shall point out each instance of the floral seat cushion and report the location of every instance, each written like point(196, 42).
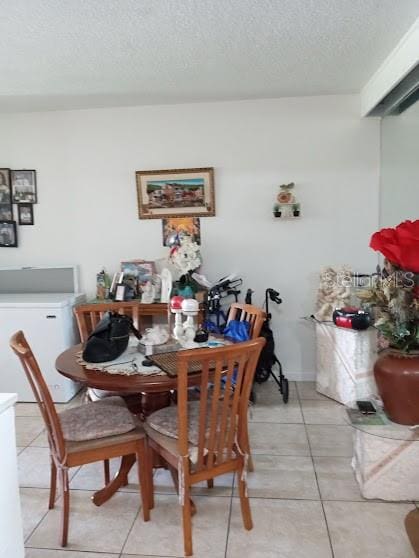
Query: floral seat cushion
point(165, 421)
point(97, 419)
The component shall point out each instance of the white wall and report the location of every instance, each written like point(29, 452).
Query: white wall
point(399, 197)
point(87, 211)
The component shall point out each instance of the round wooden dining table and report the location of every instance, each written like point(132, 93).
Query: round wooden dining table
point(142, 393)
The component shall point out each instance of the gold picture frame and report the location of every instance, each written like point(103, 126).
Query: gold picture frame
point(175, 193)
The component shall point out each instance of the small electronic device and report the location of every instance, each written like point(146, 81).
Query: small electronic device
point(351, 318)
point(366, 407)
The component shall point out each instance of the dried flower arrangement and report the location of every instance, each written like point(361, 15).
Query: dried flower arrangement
point(394, 293)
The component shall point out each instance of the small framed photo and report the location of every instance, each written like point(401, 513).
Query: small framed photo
point(140, 269)
point(25, 214)
point(8, 234)
point(24, 186)
point(5, 187)
point(6, 212)
point(178, 225)
point(175, 193)
point(120, 293)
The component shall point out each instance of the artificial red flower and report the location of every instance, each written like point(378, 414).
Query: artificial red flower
point(399, 245)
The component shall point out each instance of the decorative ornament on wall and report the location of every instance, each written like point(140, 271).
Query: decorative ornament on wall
point(287, 205)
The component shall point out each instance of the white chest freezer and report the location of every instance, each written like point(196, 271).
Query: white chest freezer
point(48, 323)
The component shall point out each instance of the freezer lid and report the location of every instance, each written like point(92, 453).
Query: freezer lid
point(40, 300)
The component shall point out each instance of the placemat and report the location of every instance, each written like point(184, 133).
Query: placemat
point(168, 363)
point(128, 364)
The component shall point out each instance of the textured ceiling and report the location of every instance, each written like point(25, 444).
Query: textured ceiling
point(91, 53)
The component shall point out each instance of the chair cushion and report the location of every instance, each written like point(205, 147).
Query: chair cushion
point(164, 421)
point(97, 419)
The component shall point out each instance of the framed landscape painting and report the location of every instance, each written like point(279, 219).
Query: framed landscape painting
point(175, 193)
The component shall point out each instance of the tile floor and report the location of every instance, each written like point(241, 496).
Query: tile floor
point(304, 498)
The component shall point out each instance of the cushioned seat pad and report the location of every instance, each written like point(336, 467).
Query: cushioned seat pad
point(164, 421)
point(98, 419)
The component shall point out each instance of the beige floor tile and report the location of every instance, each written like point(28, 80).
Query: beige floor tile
point(368, 529)
point(336, 479)
point(43, 553)
point(330, 440)
point(162, 536)
point(281, 529)
point(278, 439)
point(40, 441)
point(92, 529)
point(307, 390)
point(276, 411)
point(322, 412)
point(27, 429)
point(223, 485)
point(27, 410)
point(34, 467)
point(91, 477)
point(282, 477)
point(34, 505)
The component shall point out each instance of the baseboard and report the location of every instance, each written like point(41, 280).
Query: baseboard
point(301, 376)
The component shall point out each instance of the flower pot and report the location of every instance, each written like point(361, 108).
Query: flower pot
point(397, 378)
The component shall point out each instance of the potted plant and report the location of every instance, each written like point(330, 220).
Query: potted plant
point(277, 210)
point(296, 209)
point(394, 298)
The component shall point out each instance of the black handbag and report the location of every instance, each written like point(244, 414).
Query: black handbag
point(110, 338)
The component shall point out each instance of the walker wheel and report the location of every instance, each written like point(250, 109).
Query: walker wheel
point(285, 389)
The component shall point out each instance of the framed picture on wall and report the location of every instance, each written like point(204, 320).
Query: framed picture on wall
point(25, 214)
point(6, 212)
point(5, 187)
point(8, 234)
point(175, 193)
point(24, 186)
point(176, 225)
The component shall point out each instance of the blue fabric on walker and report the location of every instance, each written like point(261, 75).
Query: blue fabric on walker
point(239, 331)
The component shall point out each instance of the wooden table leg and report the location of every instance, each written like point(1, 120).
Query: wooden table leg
point(103, 495)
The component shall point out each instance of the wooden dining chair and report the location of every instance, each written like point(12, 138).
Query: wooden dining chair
point(210, 432)
point(255, 316)
point(249, 313)
point(89, 315)
point(92, 432)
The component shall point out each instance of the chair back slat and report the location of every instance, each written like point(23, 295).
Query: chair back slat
point(213, 414)
point(89, 315)
point(42, 394)
point(249, 313)
point(203, 413)
point(223, 408)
